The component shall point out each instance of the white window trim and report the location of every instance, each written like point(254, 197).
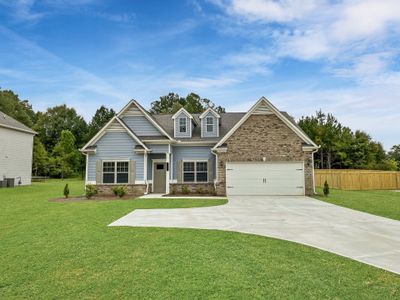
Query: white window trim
point(195, 161)
point(115, 170)
point(212, 124)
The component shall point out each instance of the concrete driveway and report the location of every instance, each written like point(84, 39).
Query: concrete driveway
point(364, 237)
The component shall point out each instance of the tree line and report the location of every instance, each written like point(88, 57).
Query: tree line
point(61, 132)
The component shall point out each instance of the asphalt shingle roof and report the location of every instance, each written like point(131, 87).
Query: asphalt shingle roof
point(7, 121)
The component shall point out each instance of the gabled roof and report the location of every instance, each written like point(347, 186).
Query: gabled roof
point(8, 122)
point(103, 130)
point(207, 111)
point(227, 121)
point(263, 106)
point(182, 110)
point(146, 114)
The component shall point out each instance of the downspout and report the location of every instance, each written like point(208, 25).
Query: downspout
point(216, 170)
point(86, 168)
point(145, 172)
point(313, 172)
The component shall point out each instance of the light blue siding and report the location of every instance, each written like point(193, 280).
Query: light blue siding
point(158, 148)
point(213, 133)
point(192, 153)
point(141, 126)
point(186, 134)
point(114, 146)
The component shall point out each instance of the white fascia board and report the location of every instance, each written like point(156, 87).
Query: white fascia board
point(276, 112)
point(146, 114)
point(18, 129)
point(207, 111)
point(179, 112)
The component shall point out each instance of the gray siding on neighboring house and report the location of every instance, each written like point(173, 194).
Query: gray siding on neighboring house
point(16, 155)
point(141, 126)
point(204, 132)
point(192, 153)
point(158, 148)
point(188, 132)
point(114, 146)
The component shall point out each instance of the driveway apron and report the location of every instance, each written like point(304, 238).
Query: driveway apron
point(361, 236)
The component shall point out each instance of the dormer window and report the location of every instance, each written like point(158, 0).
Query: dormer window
point(210, 124)
point(182, 125)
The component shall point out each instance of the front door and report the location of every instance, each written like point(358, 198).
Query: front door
point(159, 177)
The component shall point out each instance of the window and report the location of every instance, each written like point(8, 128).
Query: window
point(108, 172)
point(122, 171)
point(195, 171)
point(210, 124)
point(182, 125)
point(188, 171)
point(115, 172)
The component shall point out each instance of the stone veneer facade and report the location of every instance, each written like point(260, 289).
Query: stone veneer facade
point(194, 188)
point(264, 136)
point(132, 189)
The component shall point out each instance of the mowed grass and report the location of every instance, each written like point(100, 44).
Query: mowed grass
point(65, 250)
point(381, 203)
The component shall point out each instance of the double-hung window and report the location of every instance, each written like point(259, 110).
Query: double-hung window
point(209, 124)
point(195, 171)
point(115, 172)
point(182, 125)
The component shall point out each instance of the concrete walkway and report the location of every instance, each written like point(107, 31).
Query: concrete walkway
point(364, 237)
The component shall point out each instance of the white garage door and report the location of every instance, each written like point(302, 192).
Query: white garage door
point(280, 178)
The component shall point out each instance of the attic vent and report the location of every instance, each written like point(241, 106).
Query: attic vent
point(263, 109)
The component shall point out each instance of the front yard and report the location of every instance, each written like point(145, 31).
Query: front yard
point(381, 203)
point(66, 250)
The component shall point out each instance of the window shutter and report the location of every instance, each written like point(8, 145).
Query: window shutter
point(209, 177)
point(132, 172)
point(99, 172)
point(179, 171)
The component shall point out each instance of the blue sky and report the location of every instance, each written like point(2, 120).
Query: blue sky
point(340, 56)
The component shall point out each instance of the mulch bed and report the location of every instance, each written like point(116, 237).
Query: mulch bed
point(94, 198)
point(189, 195)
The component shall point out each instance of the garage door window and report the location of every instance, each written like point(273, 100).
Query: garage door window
point(195, 171)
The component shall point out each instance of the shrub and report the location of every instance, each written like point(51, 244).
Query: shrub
point(66, 191)
point(185, 190)
point(90, 191)
point(199, 190)
point(326, 188)
point(119, 191)
point(173, 190)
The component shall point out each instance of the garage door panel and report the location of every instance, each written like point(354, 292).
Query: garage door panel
point(281, 178)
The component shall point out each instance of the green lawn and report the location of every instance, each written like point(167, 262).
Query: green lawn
point(381, 203)
point(65, 250)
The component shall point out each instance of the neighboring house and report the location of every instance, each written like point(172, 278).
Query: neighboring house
point(261, 152)
point(16, 148)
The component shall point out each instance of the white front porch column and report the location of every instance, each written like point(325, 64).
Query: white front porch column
point(167, 159)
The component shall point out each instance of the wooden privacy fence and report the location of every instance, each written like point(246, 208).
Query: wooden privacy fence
point(358, 179)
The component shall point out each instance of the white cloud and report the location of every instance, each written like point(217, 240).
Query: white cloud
point(269, 11)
